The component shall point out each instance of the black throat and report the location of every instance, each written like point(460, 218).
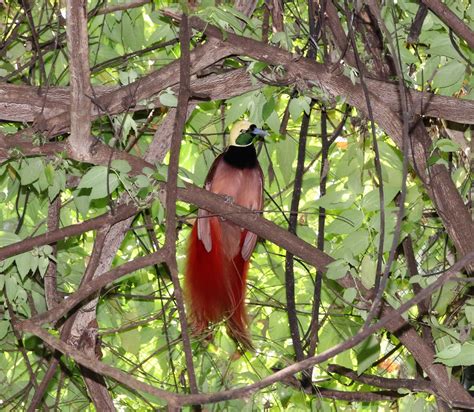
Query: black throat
point(241, 157)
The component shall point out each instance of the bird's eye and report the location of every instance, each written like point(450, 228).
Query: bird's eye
point(242, 130)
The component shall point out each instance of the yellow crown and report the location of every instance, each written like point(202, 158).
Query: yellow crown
point(238, 127)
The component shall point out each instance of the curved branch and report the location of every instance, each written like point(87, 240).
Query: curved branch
point(176, 400)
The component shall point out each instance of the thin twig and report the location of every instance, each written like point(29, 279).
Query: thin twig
point(381, 285)
point(289, 269)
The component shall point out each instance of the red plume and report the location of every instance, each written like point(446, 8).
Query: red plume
point(219, 252)
point(215, 283)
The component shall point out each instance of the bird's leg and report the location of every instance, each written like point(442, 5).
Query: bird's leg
point(228, 199)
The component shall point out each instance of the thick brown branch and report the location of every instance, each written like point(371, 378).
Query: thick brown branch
point(22, 103)
point(81, 144)
point(27, 103)
point(334, 24)
point(121, 213)
point(81, 90)
point(128, 96)
point(415, 385)
point(99, 367)
point(95, 285)
point(359, 396)
point(172, 192)
point(27, 148)
point(437, 180)
point(415, 28)
point(177, 400)
point(125, 6)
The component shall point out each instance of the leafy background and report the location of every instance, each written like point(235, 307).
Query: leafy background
point(137, 315)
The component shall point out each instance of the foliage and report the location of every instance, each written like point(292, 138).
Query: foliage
point(138, 321)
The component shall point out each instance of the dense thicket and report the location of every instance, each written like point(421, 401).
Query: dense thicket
point(111, 114)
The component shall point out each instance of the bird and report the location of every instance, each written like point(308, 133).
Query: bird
point(219, 251)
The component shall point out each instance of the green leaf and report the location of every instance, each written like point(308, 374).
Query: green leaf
point(444, 296)
point(449, 74)
point(255, 107)
point(356, 242)
point(286, 154)
point(449, 351)
point(168, 99)
point(299, 105)
point(43, 263)
point(336, 199)
point(257, 67)
point(30, 170)
point(96, 179)
point(226, 18)
point(82, 203)
point(4, 328)
point(7, 238)
point(157, 211)
point(268, 108)
point(23, 264)
point(49, 173)
point(469, 311)
point(435, 159)
point(59, 183)
point(121, 165)
point(447, 145)
point(371, 201)
point(142, 181)
point(440, 44)
point(349, 295)
point(457, 354)
point(238, 106)
point(16, 51)
point(368, 271)
point(281, 38)
point(93, 176)
point(278, 328)
point(367, 353)
point(347, 222)
point(337, 269)
point(273, 121)
point(11, 287)
point(131, 341)
point(103, 190)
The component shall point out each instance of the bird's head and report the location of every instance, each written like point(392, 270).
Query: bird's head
point(243, 133)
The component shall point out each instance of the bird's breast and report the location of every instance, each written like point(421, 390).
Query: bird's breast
point(244, 186)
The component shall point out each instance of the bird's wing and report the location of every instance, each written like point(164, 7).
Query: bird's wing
point(251, 238)
point(204, 229)
point(203, 222)
point(248, 245)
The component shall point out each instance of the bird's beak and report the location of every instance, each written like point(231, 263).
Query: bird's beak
point(259, 132)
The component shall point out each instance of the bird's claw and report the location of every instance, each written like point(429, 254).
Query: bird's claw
point(228, 199)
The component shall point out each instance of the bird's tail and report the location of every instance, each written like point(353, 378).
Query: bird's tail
point(237, 321)
point(206, 291)
point(215, 285)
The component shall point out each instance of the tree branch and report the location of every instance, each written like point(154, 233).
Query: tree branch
point(176, 400)
point(414, 385)
point(172, 192)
